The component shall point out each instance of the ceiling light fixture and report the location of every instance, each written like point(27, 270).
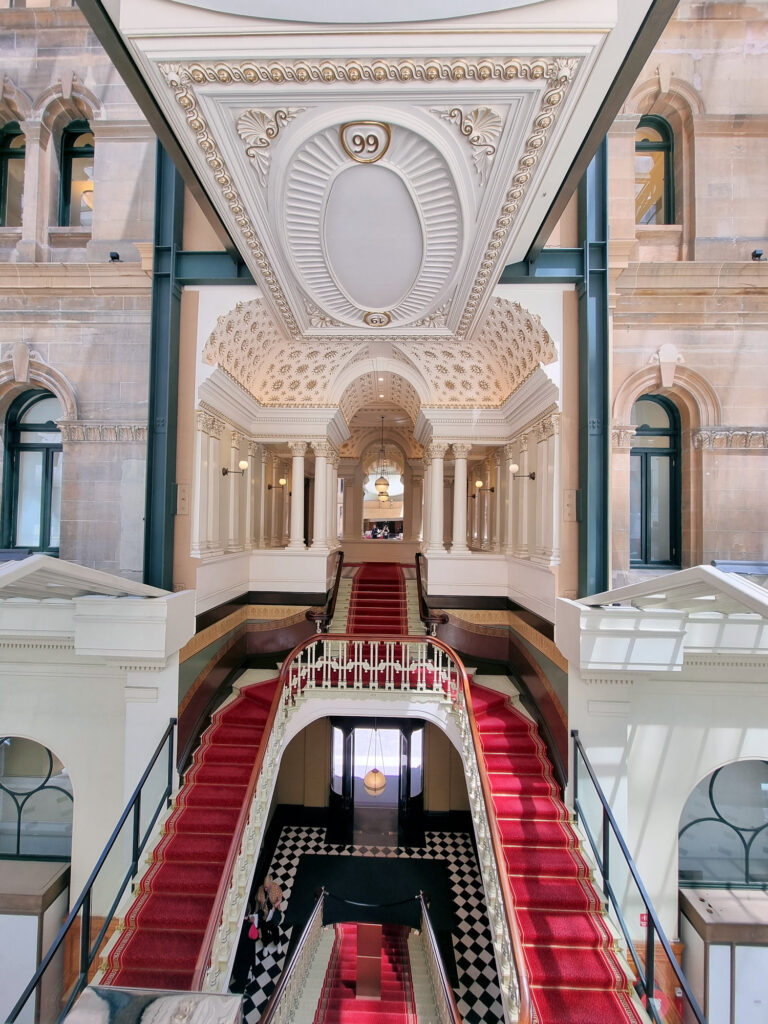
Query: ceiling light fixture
point(382, 484)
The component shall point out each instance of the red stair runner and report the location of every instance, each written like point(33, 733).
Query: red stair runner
point(338, 1002)
point(575, 976)
point(164, 926)
point(377, 604)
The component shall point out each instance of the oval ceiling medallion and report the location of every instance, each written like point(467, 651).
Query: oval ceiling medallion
point(372, 237)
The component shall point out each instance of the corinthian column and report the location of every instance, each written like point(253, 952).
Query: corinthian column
point(298, 448)
point(437, 450)
point(460, 453)
point(322, 452)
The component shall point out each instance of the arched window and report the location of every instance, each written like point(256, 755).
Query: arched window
point(654, 491)
point(32, 473)
point(12, 148)
point(76, 199)
point(654, 193)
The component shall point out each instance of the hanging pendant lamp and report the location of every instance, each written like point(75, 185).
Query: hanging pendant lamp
point(382, 484)
point(374, 780)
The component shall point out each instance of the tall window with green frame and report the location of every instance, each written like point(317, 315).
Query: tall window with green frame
point(654, 488)
point(32, 473)
point(12, 151)
point(76, 197)
point(654, 187)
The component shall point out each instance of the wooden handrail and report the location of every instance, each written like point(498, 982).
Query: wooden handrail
point(490, 811)
point(323, 617)
point(430, 619)
point(204, 956)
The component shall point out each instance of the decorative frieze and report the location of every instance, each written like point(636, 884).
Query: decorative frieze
point(72, 431)
point(730, 437)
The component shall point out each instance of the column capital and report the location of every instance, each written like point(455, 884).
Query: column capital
point(255, 449)
point(235, 440)
point(209, 424)
point(322, 448)
point(510, 451)
point(497, 458)
point(622, 436)
point(461, 449)
point(436, 449)
point(298, 449)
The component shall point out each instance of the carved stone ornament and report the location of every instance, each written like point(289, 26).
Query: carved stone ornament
point(257, 129)
point(110, 432)
point(437, 449)
point(438, 318)
point(208, 423)
point(731, 437)
point(323, 449)
point(318, 317)
point(622, 436)
point(481, 128)
point(298, 449)
point(461, 449)
point(557, 73)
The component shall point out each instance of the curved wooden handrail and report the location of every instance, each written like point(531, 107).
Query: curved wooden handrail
point(323, 616)
point(445, 985)
point(214, 919)
point(430, 619)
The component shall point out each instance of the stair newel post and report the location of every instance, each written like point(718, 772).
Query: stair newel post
point(606, 853)
point(136, 836)
point(650, 943)
point(85, 937)
point(575, 735)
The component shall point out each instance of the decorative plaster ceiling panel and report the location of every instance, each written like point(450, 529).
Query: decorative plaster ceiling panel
point(372, 388)
point(490, 105)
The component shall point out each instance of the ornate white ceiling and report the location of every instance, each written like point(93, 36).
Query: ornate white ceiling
point(356, 374)
point(377, 178)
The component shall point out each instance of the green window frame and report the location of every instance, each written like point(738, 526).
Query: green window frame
point(655, 539)
point(12, 155)
point(76, 192)
point(32, 473)
point(654, 186)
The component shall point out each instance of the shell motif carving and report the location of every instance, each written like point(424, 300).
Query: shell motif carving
point(257, 129)
point(481, 127)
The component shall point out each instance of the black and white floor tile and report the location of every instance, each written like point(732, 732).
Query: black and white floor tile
point(478, 995)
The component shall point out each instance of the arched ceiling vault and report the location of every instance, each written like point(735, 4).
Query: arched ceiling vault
point(480, 373)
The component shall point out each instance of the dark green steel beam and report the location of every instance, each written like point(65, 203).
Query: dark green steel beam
point(216, 267)
point(594, 399)
point(552, 266)
point(163, 376)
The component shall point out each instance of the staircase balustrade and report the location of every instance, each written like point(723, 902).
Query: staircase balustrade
point(442, 993)
point(287, 993)
point(342, 663)
point(322, 616)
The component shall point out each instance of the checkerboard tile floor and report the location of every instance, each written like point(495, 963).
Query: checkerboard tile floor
point(478, 995)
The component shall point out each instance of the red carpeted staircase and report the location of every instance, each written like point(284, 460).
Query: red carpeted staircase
point(164, 926)
point(575, 976)
point(338, 1002)
point(377, 604)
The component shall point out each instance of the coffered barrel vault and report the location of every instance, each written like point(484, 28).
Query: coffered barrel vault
point(377, 179)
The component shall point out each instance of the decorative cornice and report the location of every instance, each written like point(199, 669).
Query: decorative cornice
point(738, 438)
point(79, 430)
point(557, 73)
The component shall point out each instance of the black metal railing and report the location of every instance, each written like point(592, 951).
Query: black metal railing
point(117, 865)
point(322, 616)
point(430, 619)
point(605, 839)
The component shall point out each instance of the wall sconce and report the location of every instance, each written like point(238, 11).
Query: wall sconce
point(242, 466)
point(280, 483)
point(513, 469)
point(479, 486)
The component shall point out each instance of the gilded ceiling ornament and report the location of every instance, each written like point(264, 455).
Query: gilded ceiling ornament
point(481, 128)
point(257, 129)
point(377, 319)
point(365, 142)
